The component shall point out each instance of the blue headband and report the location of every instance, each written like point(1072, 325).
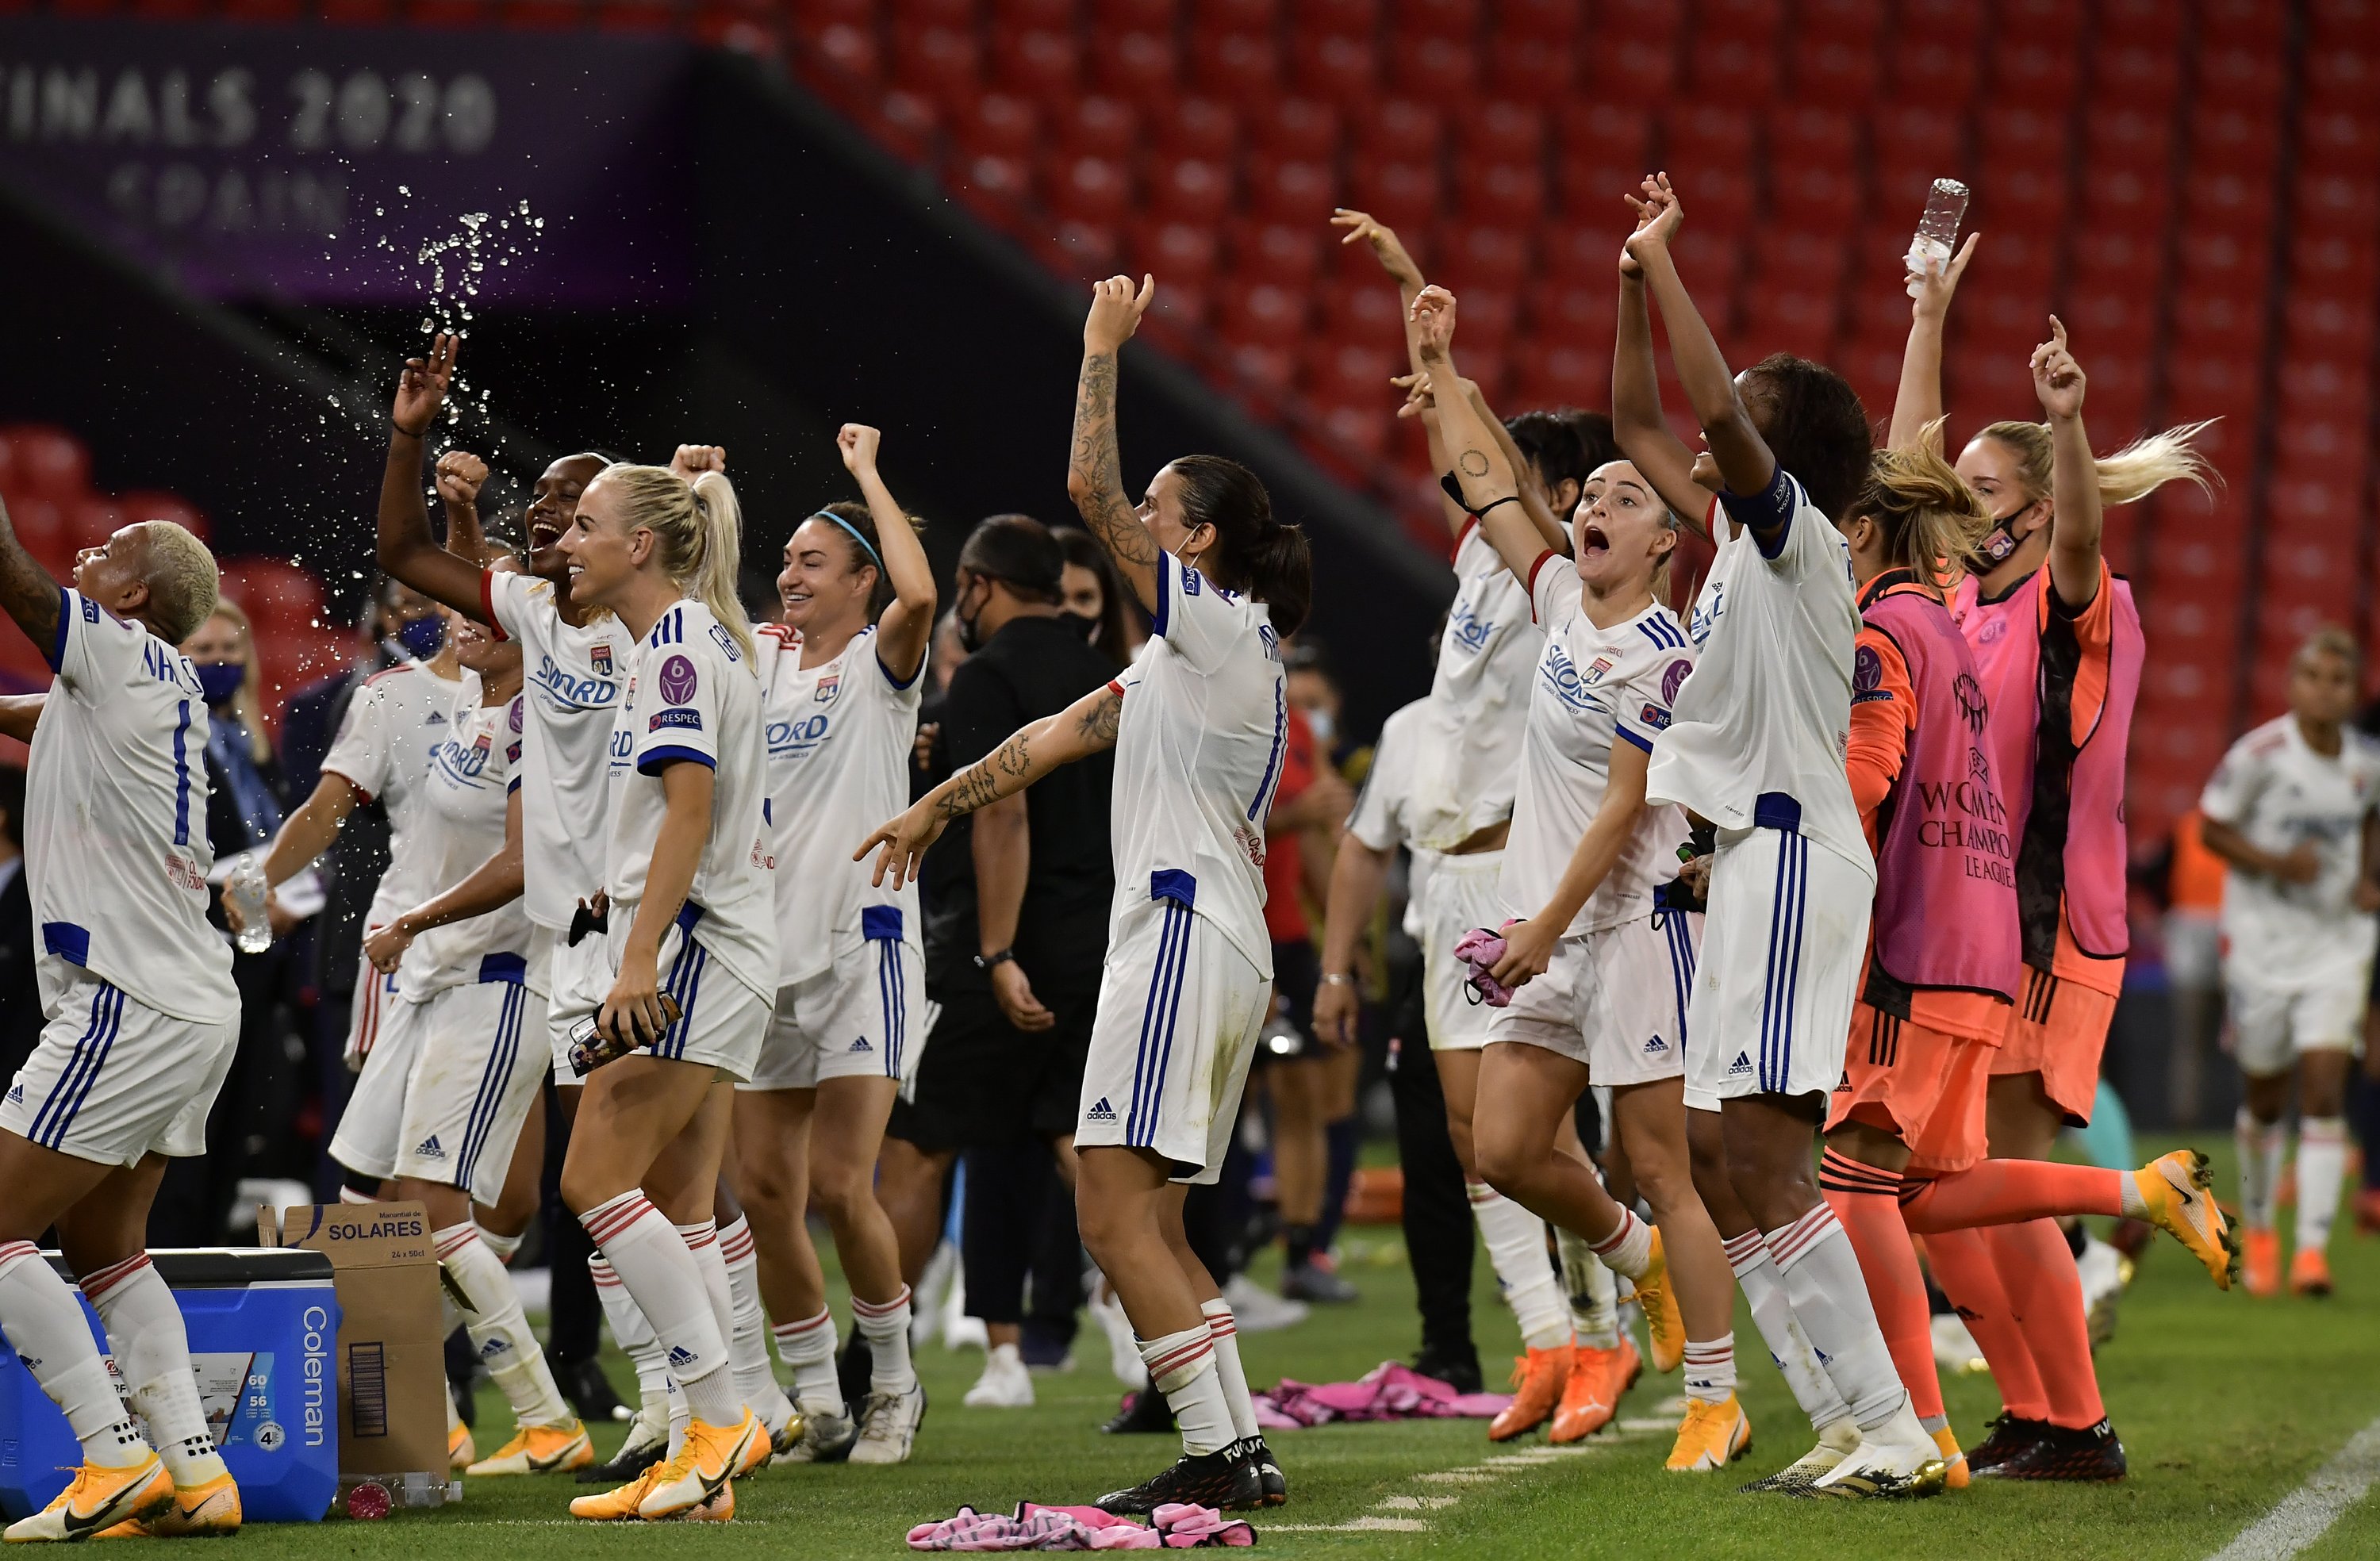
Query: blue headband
point(873, 556)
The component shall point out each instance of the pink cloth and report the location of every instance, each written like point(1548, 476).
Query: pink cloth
point(1389, 1391)
point(1480, 949)
point(1035, 1526)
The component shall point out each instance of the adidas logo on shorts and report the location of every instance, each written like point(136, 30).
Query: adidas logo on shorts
point(860, 1045)
point(1655, 1047)
point(1742, 1065)
point(430, 1149)
point(680, 1355)
point(16, 1095)
point(494, 1348)
point(1102, 1112)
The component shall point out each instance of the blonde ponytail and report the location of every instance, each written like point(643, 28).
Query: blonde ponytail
point(700, 532)
point(2127, 477)
point(1932, 521)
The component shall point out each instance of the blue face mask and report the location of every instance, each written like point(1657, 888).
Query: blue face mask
point(422, 636)
point(221, 680)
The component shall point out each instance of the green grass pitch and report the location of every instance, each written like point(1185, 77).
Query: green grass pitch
point(2224, 1406)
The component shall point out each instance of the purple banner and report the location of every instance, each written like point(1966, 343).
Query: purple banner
point(359, 165)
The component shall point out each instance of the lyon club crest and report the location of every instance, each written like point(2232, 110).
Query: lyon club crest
point(602, 658)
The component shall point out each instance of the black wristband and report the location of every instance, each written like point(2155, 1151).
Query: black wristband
point(1508, 498)
point(423, 432)
point(985, 962)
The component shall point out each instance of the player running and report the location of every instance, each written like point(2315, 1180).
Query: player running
point(1603, 973)
point(840, 685)
point(1942, 960)
point(1457, 817)
point(1756, 749)
point(2059, 649)
point(2290, 808)
point(142, 1022)
point(1197, 725)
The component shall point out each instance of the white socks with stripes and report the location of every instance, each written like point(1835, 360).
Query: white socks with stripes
point(1764, 1292)
point(659, 1271)
point(1223, 1333)
point(1629, 1249)
point(1594, 1294)
point(747, 1345)
point(1710, 1369)
point(498, 1327)
point(1829, 1297)
point(1182, 1366)
point(47, 1329)
point(1516, 1248)
point(885, 1327)
point(2322, 1165)
point(808, 1349)
point(635, 1339)
point(152, 1352)
point(2260, 1145)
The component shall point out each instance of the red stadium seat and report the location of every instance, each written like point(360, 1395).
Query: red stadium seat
point(1112, 17)
point(910, 15)
point(1701, 135)
point(1438, 18)
point(1022, 15)
point(1735, 70)
point(995, 184)
point(2343, 77)
point(1809, 258)
point(1554, 374)
point(1000, 124)
point(1257, 307)
point(939, 63)
point(2112, 320)
point(1834, 70)
point(1532, 70)
point(1196, 128)
point(1478, 256)
point(1295, 127)
point(2249, 79)
point(1814, 194)
point(1924, 69)
point(1337, 68)
point(1789, 320)
point(274, 593)
point(41, 525)
point(1141, 67)
point(1638, 21)
point(2337, 202)
point(2338, 140)
point(1370, 313)
point(1241, 69)
point(1177, 254)
point(844, 64)
point(147, 506)
point(1232, 16)
point(1084, 186)
point(1398, 129)
point(1290, 190)
point(1289, 252)
point(2145, 78)
point(1616, 132)
point(2332, 265)
point(1404, 195)
point(2231, 141)
point(1350, 18)
point(2134, 138)
point(811, 16)
point(1347, 370)
point(1433, 68)
point(1755, 21)
point(1544, 21)
point(1501, 132)
point(1650, 70)
point(1044, 64)
point(2021, 135)
point(1363, 427)
point(1718, 199)
point(47, 463)
point(729, 25)
point(2224, 262)
point(1810, 133)
point(1189, 189)
point(1583, 248)
point(2022, 197)
point(2152, 23)
point(1579, 316)
point(1711, 262)
point(1105, 126)
point(1503, 194)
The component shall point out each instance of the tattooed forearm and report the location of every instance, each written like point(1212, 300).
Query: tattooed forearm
point(1096, 480)
point(1099, 724)
point(1015, 757)
point(971, 788)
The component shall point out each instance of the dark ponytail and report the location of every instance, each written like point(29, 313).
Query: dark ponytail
point(1252, 554)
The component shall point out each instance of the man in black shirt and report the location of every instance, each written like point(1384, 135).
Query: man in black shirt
point(1016, 913)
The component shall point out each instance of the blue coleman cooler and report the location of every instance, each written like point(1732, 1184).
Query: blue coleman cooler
point(262, 1324)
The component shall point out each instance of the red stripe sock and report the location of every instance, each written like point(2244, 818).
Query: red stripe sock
point(1965, 1267)
point(2037, 1270)
point(1896, 1288)
point(2010, 1192)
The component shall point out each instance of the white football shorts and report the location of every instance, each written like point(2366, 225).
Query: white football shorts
point(1462, 893)
point(473, 1084)
point(114, 1080)
point(2271, 1026)
point(863, 1017)
point(1614, 1001)
point(371, 1130)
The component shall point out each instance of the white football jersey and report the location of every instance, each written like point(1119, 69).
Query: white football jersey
point(460, 825)
point(116, 821)
point(1466, 770)
point(1198, 755)
point(840, 737)
point(693, 697)
point(1761, 731)
point(1382, 818)
point(2276, 790)
point(573, 679)
point(1592, 688)
point(392, 724)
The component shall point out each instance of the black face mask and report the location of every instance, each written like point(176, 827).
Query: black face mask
point(970, 639)
point(1999, 543)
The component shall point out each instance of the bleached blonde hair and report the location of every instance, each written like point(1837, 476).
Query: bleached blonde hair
point(184, 584)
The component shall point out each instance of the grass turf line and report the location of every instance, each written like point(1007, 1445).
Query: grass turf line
point(2224, 1406)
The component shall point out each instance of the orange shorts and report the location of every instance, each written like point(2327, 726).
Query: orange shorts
point(1929, 1084)
point(2057, 1030)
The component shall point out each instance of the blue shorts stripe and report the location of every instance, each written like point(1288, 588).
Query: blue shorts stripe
point(1173, 1007)
point(1164, 993)
point(1681, 968)
point(495, 1078)
point(670, 1042)
point(1148, 1023)
point(57, 1110)
point(888, 997)
point(1800, 845)
point(690, 994)
point(96, 1060)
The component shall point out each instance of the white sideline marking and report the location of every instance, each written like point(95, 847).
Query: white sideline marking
point(1362, 1524)
point(2307, 1513)
point(1417, 1504)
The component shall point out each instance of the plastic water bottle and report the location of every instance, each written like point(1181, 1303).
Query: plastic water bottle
point(246, 890)
point(1937, 230)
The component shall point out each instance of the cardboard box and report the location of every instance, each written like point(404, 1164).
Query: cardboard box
point(392, 1364)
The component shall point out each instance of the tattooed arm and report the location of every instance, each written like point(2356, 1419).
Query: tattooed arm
point(1095, 471)
point(1085, 727)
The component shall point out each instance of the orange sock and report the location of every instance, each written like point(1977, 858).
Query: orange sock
point(2009, 1191)
point(2037, 1270)
point(1965, 1267)
point(1867, 1203)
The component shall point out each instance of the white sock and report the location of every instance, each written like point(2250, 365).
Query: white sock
point(680, 1413)
point(1516, 1247)
point(659, 1270)
point(2260, 1145)
point(1823, 1281)
point(633, 1336)
point(153, 1352)
point(1183, 1368)
point(1594, 1294)
point(1710, 1369)
point(702, 1239)
point(505, 1247)
point(47, 1329)
point(809, 1349)
point(885, 1327)
point(2322, 1165)
point(1764, 1292)
point(498, 1327)
point(1223, 1331)
point(1629, 1249)
point(747, 1347)
point(353, 1195)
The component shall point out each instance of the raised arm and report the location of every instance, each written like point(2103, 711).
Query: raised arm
point(908, 623)
point(460, 475)
point(1095, 472)
point(1529, 945)
point(407, 550)
point(1919, 400)
point(1085, 727)
point(1636, 420)
point(27, 592)
point(1491, 489)
point(492, 885)
point(1745, 464)
point(1552, 529)
point(2074, 535)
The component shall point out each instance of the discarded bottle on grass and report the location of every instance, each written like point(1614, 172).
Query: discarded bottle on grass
point(1937, 230)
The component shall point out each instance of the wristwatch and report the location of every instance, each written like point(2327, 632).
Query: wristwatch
point(985, 962)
